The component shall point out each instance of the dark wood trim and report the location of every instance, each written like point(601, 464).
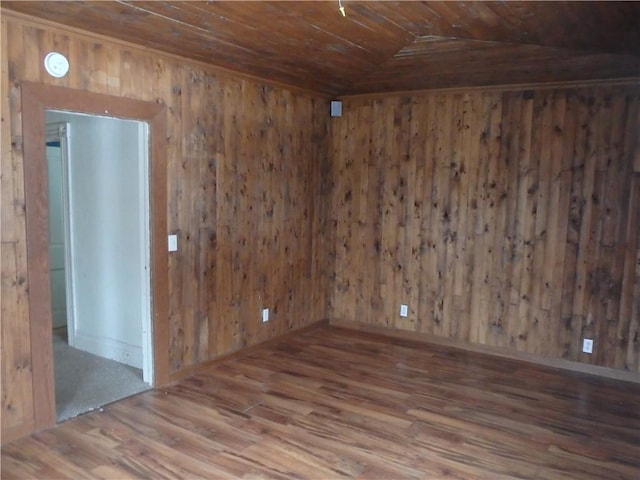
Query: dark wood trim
point(425, 338)
point(159, 253)
point(36, 98)
point(37, 214)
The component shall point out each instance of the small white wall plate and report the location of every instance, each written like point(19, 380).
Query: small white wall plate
point(56, 64)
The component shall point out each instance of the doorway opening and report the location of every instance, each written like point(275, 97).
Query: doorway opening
point(99, 259)
point(36, 99)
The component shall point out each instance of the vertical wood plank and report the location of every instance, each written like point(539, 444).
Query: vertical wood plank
point(441, 218)
point(629, 312)
point(406, 198)
point(572, 286)
point(389, 285)
point(512, 112)
point(17, 393)
point(365, 252)
point(468, 329)
point(454, 170)
point(501, 240)
point(564, 257)
point(344, 184)
point(555, 240)
point(631, 285)
point(416, 206)
point(428, 272)
point(465, 176)
point(478, 316)
point(595, 282)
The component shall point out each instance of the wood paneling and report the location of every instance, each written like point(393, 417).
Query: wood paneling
point(244, 167)
point(375, 47)
point(335, 404)
point(506, 218)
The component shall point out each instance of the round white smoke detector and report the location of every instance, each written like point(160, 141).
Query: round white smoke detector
point(56, 64)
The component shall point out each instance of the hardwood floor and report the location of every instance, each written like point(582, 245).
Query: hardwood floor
point(334, 403)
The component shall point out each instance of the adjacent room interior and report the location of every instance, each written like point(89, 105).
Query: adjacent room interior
point(99, 297)
point(351, 239)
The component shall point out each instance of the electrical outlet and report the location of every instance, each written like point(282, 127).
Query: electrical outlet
point(404, 310)
point(587, 345)
point(265, 315)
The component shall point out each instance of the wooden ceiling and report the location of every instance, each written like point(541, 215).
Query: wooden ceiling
point(378, 46)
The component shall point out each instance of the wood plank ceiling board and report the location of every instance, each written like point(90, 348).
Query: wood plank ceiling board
point(378, 46)
point(427, 64)
point(593, 26)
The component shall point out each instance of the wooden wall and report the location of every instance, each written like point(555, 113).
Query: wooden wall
point(502, 218)
point(245, 163)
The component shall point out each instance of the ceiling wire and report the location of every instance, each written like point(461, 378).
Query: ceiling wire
point(341, 8)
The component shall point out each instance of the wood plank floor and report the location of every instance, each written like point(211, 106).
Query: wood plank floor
point(333, 403)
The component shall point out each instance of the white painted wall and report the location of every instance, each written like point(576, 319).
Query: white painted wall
point(56, 237)
point(108, 260)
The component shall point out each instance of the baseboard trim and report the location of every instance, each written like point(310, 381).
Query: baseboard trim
point(424, 338)
point(14, 433)
point(109, 348)
point(201, 367)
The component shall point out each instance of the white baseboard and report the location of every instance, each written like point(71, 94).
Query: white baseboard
point(108, 348)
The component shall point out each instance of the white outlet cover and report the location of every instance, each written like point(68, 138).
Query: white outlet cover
point(587, 345)
point(404, 310)
point(265, 315)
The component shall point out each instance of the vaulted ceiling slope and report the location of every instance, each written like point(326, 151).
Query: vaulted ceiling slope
point(379, 46)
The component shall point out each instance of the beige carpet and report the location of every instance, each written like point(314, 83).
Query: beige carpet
point(85, 382)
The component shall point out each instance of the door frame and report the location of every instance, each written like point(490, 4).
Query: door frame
point(35, 99)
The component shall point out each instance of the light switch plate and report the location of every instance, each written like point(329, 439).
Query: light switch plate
point(173, 243)
point(336, 108)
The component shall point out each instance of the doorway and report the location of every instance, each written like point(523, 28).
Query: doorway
point(36, 99)
point(99, 259)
